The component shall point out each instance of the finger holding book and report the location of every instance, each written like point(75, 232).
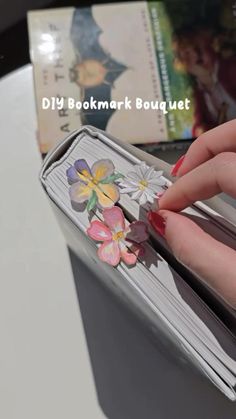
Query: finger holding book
point(210, 259)
point(205, 181)
point(206, 146)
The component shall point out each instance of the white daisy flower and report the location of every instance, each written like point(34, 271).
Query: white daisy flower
point(144, 183)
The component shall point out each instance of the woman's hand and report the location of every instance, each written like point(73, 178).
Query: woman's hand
point(209, 167)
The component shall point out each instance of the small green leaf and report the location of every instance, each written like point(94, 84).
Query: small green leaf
point(112, 178)
point(91, 202)
point(118, 176)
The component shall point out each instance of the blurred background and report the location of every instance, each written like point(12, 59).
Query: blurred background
point(14, 45)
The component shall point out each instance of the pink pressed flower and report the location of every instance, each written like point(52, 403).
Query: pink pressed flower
point(119, 241)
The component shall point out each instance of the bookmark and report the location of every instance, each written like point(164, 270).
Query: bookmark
point(95, 186)
point(144, 184)
point(120, 241)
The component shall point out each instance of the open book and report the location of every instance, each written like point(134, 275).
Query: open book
point(158, 288)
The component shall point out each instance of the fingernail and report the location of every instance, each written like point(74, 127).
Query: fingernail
point(160, 194)
point(157, 222)
point(177, 165)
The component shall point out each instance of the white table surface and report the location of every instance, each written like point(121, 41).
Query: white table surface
point(45, 371)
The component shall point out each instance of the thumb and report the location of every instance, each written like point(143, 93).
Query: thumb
point(211, 260)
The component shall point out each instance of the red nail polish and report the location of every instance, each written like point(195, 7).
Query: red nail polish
point(177, 165)
point(157, 222)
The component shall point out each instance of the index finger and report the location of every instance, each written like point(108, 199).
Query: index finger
point(205, 181)
point(208, 145)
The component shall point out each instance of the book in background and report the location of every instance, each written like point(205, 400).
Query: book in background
point(156, 51)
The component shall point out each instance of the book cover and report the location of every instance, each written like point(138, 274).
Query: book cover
point(143, 71)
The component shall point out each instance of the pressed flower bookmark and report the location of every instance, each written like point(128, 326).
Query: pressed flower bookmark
point(144, 184)
point(118, 240)
point(95, 186)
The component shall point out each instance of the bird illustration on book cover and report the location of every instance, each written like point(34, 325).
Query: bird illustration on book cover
point(94, 70)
